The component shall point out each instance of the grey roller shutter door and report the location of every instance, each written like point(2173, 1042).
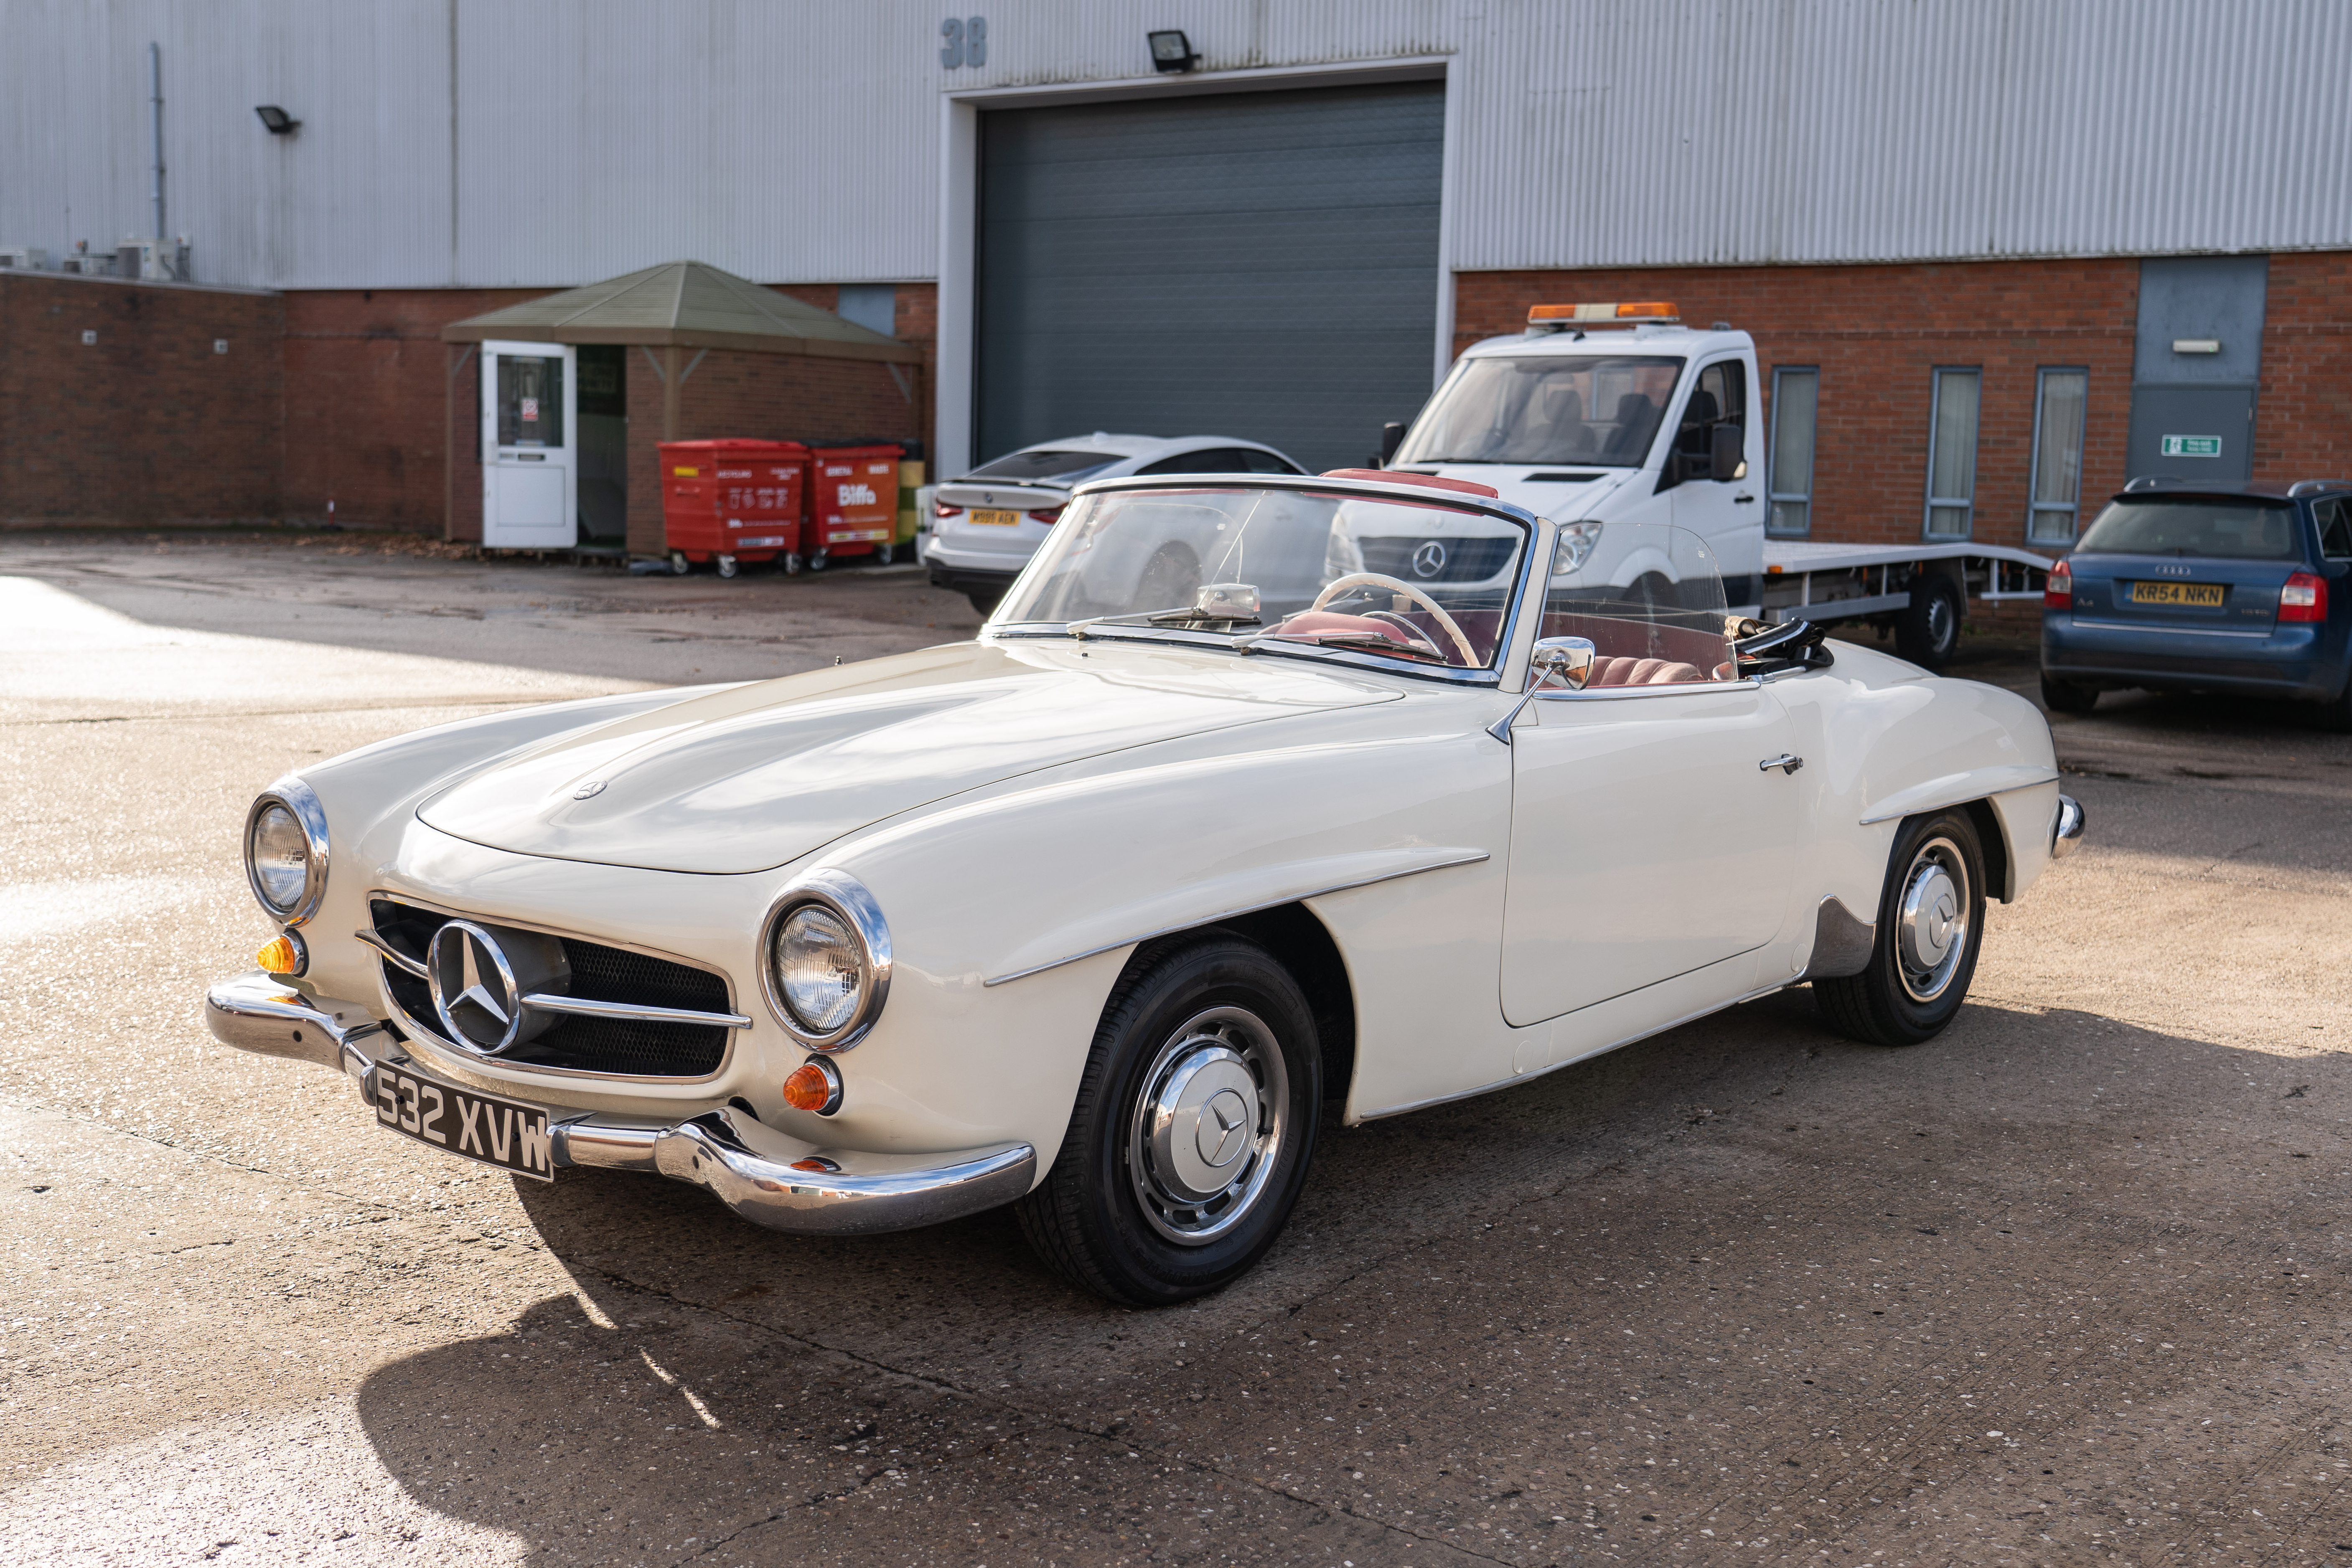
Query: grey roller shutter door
point(1261, 264)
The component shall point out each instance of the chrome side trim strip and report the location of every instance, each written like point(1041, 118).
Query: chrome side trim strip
point(1235, 913)
point(547, 1003)
point(2262, 635)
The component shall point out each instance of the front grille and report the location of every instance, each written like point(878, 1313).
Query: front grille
point(630, 1046)
point(1466, 560)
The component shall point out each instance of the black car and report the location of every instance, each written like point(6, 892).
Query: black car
point(2227, 588)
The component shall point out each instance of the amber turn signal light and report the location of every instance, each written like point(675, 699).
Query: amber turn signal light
point(815, 1085)
point(283, 956)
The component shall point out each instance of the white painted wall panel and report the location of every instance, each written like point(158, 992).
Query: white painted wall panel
point(799, 140)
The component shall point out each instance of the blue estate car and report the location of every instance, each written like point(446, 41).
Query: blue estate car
point(2187, 587)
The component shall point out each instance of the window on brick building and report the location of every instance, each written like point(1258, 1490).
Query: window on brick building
point(1952, 452)
point(1796, 400)
point(2059, 396)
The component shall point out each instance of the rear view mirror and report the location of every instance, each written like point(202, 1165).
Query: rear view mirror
point(1226, 602)
point(1726, 453)
point(1391, 437)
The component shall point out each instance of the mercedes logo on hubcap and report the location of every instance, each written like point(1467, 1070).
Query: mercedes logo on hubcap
point(1429, 560)
point(1224, 1123)
point(474, 989)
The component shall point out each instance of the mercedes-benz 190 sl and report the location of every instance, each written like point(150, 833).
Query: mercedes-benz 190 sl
point(1255, 797)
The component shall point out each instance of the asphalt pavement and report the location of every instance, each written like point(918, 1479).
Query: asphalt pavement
point(2066, 1284)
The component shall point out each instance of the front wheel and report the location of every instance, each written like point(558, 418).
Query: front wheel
point(1193, 1129)
point(886, 555)
point(1930, 927)
point(677, 563)
point(727, 567)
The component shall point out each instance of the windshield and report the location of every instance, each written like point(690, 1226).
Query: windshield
point(2194, 525)
point(1545, 408)
point(1067, 467)
point(1424, 583)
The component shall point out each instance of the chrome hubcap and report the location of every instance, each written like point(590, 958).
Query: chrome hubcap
point(1932, 921)
point(1208, 1126)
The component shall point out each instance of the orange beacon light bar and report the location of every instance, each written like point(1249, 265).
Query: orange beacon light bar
point(1558, 317)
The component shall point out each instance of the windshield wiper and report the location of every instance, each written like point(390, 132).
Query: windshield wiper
point(1153, 618)
point(1369, 640)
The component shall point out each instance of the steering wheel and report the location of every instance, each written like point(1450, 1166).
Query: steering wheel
point(1339, 585)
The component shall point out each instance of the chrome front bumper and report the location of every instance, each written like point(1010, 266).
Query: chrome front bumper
point(767, 1177)
point(2066, 827)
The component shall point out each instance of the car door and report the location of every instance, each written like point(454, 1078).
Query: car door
point(1653, 813)
point(1721, 511)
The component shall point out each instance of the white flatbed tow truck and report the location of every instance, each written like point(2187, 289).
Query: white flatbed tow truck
point(1617, 413)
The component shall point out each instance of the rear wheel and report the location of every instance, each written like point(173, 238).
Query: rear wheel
point(2336, 717)
point(1930, 927)
point(2065, 697)
point(816, 560)
point(985, 600)
point(1193, 1129)
point(886, 555)
point(677, 563)
point(727, 567)
point(1928, 633)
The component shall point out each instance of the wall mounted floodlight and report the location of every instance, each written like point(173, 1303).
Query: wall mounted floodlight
point(277, 122)
point(1172, 51)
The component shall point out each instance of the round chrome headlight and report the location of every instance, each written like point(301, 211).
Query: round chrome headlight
point(826, 960)
point(286, 851)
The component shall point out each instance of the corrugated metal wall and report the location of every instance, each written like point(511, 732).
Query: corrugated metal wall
point(801, 141)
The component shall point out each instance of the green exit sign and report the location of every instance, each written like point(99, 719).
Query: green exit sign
point(2192, 445)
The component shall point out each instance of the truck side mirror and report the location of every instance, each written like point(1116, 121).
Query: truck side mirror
point(1726, 453)
point(1391, 437)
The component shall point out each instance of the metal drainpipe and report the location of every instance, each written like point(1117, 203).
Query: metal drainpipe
point(155, 103)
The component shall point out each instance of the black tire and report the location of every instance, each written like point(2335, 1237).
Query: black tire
point(1171, 580)
point(985, 600)
point(1928, 633)
point(1191, 1019)
point(2336, 716)
point(1889, 1003)
point(2065, 697)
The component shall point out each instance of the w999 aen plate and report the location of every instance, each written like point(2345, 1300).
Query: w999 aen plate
point(486, 1128)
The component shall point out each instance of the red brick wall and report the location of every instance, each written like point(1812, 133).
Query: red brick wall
point(381, 420)
point(1875, 333)
point(2303, 414)
point(148, 425)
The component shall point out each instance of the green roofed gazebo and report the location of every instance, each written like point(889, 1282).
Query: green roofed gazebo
point(779, 369)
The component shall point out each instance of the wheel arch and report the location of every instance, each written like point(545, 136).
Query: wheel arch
point(1992, 838)
point(1303, 945)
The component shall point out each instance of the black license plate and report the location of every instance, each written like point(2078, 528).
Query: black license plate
point(488, 1128)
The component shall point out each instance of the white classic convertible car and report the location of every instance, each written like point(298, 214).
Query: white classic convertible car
point(1253, 796)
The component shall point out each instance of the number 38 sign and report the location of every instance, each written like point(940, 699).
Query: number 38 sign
point(966, 42)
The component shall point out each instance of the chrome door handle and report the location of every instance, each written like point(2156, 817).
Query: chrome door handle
point(1787, 762)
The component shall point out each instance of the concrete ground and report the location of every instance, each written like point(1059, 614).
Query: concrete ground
point(2065, 1285)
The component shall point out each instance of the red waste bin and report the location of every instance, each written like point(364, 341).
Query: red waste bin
point(853, 506)
point(732, 501)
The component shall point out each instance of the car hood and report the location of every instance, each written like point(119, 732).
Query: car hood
point(754, 776)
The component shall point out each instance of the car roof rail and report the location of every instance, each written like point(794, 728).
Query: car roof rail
point(2317, 487)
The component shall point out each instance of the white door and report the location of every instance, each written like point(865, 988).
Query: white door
point(529, 447)
point(1646, 842)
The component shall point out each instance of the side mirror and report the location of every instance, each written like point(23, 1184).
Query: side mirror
point(1726, 453)
point(1563, 661)
point(1391, 437)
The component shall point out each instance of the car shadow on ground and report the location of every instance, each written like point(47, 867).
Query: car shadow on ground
point(1842, 1285)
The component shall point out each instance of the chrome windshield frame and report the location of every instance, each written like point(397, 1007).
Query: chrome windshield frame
point(1505, 636)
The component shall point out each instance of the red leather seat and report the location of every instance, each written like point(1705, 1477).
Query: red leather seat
point(1308, 622)
point(1622, 670)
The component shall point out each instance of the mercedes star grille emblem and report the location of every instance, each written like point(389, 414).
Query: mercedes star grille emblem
point(474, 989)
point(1429, 560)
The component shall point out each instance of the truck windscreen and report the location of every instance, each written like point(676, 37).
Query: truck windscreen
point(1545, 408)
